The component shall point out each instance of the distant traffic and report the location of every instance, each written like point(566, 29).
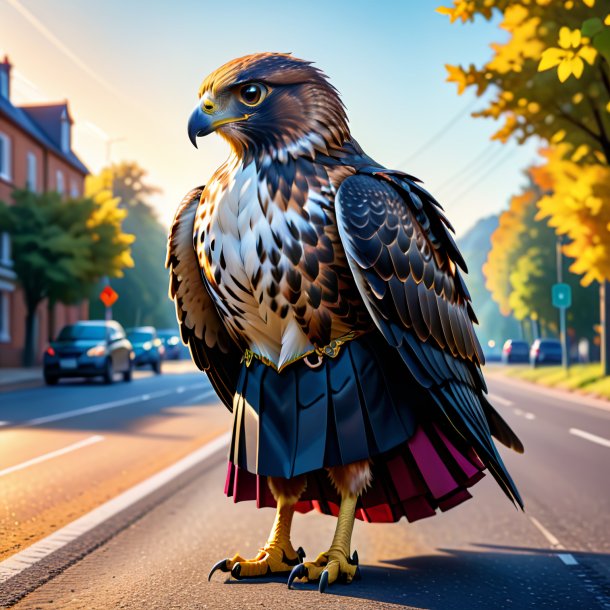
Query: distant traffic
point(102, 348)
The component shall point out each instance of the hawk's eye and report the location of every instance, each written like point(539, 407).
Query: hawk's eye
point(252, 94)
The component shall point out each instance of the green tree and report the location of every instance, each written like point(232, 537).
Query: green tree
point(551, 79)
point(143, 289)
point(60, 248)
point(521, 269)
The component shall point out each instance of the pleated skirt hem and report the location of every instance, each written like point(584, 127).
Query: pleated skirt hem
point(422, 475)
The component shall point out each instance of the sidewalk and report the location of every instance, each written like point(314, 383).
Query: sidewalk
point(20, 376)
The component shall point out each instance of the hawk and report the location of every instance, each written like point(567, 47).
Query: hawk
point(322, 293)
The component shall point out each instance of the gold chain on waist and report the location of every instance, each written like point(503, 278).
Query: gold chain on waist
point(330, 351)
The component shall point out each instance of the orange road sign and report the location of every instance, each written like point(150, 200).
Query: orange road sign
point(108, 296)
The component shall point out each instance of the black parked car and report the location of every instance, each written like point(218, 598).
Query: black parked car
point(147, 347)
point(170, 338)
point(515, 351)
point(545, 351)
point(89, 349)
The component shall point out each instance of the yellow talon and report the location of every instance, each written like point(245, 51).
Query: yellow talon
point(336, 564)
point(277, 556)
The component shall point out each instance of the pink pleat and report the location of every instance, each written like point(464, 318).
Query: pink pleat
point(425, 474)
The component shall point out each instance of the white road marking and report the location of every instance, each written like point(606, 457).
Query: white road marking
point(568, 559)
point(203, 396)
point(37, 421)
point(501, 401)
point(53, 454)
point(600, 440)
point(43, 548)
point(553, 541)
point(525, 414)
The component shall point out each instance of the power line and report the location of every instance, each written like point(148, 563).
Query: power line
point(488, 173)
point(473, 165)
point(442, 131)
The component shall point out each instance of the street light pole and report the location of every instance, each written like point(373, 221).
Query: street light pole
point(562, 310)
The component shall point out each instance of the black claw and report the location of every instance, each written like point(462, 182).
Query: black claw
point(297, 572)
point(323, 582)
point(354, 559)
point(236, 571)
point(357, 575)
point(301, 553)
point(221, 565)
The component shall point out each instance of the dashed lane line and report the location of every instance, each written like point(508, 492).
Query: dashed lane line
point(27, 558)
point(600, 440)
point(38, 421)
point(501, 401)
point(52, 454)
point(567, 558)
point(525, 414)
point(552, 540)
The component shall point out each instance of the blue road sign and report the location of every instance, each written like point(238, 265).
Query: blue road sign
point(562, 295)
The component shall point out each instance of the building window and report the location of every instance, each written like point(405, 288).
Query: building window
point(5, 250)
point(5, 157)
point(59, 182)
point(5, 335)
point(74, 191)
point(32, 172)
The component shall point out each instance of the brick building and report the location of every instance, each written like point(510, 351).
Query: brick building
point(35, 152)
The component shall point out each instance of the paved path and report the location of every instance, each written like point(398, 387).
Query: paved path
point(483, 554)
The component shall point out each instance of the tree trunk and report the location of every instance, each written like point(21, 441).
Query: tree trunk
point(51, 319)
point(604, 293)
point(29, 349)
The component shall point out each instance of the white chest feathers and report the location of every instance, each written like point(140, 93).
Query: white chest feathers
point(243, 245)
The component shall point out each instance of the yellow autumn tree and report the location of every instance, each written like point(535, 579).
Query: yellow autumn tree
point(579, 207)
point(551, 80)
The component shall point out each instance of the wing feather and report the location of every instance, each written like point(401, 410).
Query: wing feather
point(201, 329)
point(405, 264)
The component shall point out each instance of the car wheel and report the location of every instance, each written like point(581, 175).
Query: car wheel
point(156, 367)
point(108, 372)
point(128, 374)
point(50, 379)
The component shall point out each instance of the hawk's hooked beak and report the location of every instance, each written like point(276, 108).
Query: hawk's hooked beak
point(202, 123)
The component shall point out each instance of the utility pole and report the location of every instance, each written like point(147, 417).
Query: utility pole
point(109, 143)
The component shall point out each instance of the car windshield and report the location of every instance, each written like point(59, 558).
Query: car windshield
point(517, 345)
point(140, 336)
point(75, 332)
point(551, 345)
point(164, 334)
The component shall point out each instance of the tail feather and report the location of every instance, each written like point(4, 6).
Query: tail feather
point(499, 428)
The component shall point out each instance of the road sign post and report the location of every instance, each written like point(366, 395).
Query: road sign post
point(108, 297)
point(562, 299)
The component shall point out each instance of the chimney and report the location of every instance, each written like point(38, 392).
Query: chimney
point(5, 78)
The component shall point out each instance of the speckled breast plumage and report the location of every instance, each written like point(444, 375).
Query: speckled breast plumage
point(266, 239)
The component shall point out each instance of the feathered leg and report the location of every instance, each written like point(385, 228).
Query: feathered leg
point(278, 554)
point(336, 564)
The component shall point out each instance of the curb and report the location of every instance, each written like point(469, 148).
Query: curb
point(27, 570)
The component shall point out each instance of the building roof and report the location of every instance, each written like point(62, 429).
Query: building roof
point(38, 122)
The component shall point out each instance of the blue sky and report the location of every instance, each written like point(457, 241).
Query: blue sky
point(131, 71)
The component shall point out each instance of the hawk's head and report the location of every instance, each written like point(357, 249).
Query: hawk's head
point(270, 103)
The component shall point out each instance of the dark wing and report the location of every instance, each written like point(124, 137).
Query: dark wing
point(405, 264)
point(211, 347)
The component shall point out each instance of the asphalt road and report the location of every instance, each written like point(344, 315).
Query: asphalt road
point(66, 449)
point(482, 554)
